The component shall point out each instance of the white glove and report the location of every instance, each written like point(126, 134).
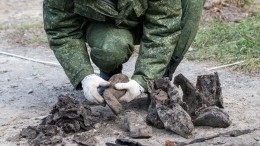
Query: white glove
point(133, 89)
point(90, 86)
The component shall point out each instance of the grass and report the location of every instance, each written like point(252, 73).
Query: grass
point(229, 43)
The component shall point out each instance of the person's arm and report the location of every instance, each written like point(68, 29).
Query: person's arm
point(160, 35)
point(191, 14)
point(66, 38)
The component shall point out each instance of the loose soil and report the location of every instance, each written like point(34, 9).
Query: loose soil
point(29, 90)
point(225, 11)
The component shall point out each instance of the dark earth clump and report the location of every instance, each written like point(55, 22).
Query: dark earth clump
point(136, 126)
point(111, 95)
point(204, 101)
point(191, 96)
point(175, 119)
point(212, 116)
point(200, 106)
point(125, 142)
point(67, 116)
point(166, 111)
point(85, 139)
point(210, 87)
point(42, 135)
point(70, 115)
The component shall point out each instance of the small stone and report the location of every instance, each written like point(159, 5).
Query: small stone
point(169, 143)
point(137, 126)
point(39, 118)
point(128, 142)
point(116, 133)
point(30, 91)
point(85, 138)
point(29, 132)
point(3, 71)
point(97, 125)
point(14, 86)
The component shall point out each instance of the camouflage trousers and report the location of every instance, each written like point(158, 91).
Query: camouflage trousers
point(112, 46)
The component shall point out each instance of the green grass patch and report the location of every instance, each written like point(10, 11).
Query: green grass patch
point(230, 42)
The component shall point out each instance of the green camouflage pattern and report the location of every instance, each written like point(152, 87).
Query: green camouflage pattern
point(110, 45)
point(167, 28)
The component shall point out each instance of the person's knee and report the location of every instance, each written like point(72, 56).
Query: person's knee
point(110, 57)
point(110, 46)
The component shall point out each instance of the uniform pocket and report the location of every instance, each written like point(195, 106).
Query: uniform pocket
point(59, 4)
point(94, 9)
point(87, 9)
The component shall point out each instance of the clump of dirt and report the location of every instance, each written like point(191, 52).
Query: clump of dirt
point(136, 126)
point(223, 11)
point(70, 115)
point(67, 116)
point(111, 95)
point(42, 135)
point(166, 112)
point(124, 142)
point(199, 106)
point(204, 101)
point(85, 138)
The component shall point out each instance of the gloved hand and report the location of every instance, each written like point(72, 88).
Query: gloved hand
point(90, 86)
point(133, 90)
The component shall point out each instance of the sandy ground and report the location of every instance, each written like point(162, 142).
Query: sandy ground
point(28, 90)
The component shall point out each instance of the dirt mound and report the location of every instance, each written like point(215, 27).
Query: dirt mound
point(223, 11)
point(199, 106)
point(70, 114)
point(42, 135)
point(67, 116)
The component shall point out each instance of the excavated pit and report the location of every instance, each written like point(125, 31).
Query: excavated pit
point(200, 106)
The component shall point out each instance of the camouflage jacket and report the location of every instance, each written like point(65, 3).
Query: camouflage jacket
point(64, 21)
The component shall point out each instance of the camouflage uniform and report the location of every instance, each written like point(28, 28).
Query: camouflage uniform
point(164, 28)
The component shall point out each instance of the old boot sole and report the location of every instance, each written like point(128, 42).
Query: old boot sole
point(212, 116)
point(111, 95)
point(175, 119)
